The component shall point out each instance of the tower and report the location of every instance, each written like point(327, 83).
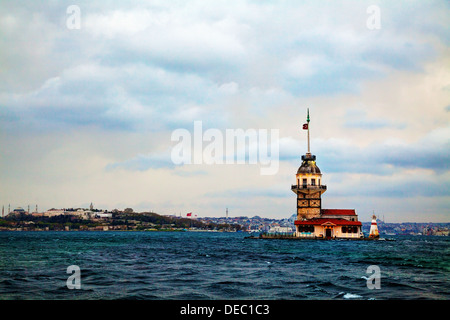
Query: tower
point(308, 187)
point(373, 233)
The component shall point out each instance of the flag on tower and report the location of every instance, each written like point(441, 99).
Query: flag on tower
point(305, 126)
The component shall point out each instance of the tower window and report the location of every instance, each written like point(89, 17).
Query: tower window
point(304, 182)
point(313, 182)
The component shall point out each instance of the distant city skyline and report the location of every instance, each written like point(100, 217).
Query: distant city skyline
point(186, 214)
point(90, 95)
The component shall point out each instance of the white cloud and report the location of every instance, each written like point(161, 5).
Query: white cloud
point(75, 102)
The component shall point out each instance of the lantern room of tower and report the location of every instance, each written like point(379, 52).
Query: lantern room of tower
point(308, 176)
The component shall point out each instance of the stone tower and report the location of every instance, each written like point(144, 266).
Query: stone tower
point(308, 187)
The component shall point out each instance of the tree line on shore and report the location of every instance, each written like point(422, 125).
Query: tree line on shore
point(126, 220)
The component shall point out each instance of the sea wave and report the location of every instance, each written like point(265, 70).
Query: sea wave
point(160, 265)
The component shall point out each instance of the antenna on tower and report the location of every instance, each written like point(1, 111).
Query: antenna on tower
point(307, 120)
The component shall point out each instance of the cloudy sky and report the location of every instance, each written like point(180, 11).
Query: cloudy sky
point(87, 110)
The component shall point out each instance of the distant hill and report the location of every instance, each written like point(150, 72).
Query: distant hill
point(120, 221)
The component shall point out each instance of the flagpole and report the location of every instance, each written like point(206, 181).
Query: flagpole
point(307, 119)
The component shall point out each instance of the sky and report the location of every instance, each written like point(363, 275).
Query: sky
point(91, 93)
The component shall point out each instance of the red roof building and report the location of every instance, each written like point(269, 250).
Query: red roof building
point(339, 212)
point(325, 221)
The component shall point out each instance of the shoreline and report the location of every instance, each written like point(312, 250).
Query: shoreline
point(119, 230)
point(284, 237)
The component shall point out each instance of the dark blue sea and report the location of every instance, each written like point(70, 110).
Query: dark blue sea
point(207, 265)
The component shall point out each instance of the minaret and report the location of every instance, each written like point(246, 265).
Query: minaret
point(91, 207)
point(3, 211)
point(374, 228)
point(308, 187)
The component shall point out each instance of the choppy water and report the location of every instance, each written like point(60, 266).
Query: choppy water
point(201, 265)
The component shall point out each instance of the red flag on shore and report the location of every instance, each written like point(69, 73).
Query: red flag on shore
point(189, 214)
point(305, 126)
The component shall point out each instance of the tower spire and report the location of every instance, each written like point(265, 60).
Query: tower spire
point(307, 120)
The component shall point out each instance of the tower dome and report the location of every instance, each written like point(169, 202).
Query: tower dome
point(308, 165)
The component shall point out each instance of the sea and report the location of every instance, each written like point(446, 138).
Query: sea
point(219, 265)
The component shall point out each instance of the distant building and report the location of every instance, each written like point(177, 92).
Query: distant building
point(17, 211)
point(102, 215)
point(83, 214)
point(279, 229)
point(54, 212)
point(38, 214)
